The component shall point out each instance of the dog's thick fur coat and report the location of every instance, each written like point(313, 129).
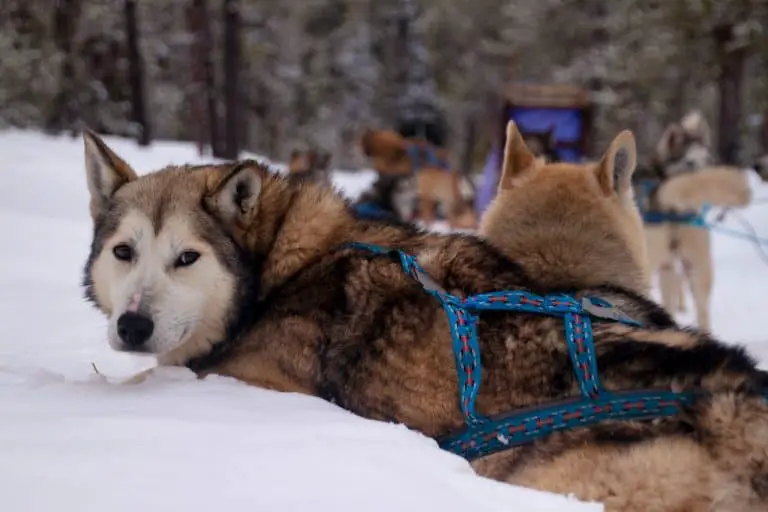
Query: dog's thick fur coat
point(280, 302)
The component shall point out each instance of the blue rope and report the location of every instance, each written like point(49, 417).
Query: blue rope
point(483, 435)
point(735, 233)
point(371, 210)
point(697, 219)
point(702, 222)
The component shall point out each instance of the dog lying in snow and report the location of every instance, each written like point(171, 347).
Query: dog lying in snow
point(234, 270)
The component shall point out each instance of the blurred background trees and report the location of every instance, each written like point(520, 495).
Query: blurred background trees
point(270, 75)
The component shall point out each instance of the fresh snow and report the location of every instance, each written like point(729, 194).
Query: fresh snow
point(72, 438)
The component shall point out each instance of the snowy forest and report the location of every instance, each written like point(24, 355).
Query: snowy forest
point(268, 76)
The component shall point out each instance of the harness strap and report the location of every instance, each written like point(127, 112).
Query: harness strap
point(414, 155)
point(371, 210)
point(526, 425)
point(483, 435)
point(430, 159)
point(650, 216)
point(659, 217)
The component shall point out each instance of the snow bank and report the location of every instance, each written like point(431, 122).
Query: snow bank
point(72, 440)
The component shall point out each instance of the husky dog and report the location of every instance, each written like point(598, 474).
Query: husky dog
point(416, 171)
point(234, 270)
point(687, 181)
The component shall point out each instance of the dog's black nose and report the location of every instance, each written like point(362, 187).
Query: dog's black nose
point(134, 329)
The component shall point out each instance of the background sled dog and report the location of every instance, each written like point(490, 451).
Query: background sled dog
point(414, 170)
point(678, 251)
point(234, 270)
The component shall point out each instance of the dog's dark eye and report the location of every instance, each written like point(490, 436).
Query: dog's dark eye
point(187, 258)
point(123, 252)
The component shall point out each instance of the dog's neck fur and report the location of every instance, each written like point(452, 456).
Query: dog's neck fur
point(294, 224)
point(567, 261)
point(306, 221)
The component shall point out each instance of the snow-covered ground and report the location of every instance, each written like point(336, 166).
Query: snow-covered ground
point(72, 439)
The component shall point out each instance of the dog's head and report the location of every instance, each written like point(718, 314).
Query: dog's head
point(386, 151)
point(163, 266)
point(570, 225)
point(381, 143)
point(685, 146)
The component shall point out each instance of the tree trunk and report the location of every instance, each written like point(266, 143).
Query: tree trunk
point(204, 105)
point(732, 58)
point(63, 114)
point(138, 102)
point(197, 88)
point(231, 148)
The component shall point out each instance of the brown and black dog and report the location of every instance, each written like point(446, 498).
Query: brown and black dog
point(234, 270)
point(431, 181)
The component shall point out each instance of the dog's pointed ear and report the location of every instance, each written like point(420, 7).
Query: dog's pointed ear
point(236, 195)
point(519, 163)
point(105, 171)
point(695, 125)
point(614, 172)
point(670, 142)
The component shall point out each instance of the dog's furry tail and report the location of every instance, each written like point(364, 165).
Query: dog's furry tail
point(733, 429)
point(716, 186)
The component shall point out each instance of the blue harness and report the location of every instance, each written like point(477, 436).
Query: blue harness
point(430, 157)
point(658, 216)
point(372, 210)
point(482, 435)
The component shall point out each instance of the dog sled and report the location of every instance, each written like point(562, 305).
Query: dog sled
point(556, 118)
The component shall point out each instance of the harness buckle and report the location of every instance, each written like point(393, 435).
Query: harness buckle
point(606, 312)
point(427, 282)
